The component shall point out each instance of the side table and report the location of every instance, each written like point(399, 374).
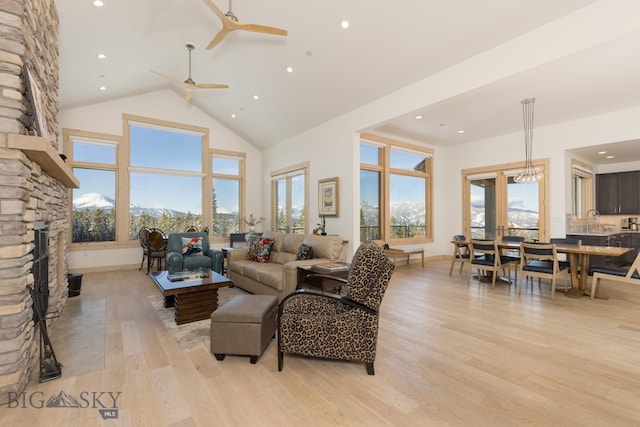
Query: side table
point(324, 284)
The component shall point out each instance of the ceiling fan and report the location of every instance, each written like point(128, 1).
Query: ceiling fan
point(230, 23)
point(189, 83)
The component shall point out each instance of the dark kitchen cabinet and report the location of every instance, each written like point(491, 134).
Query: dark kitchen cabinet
point(618, 193)
point(625, 240)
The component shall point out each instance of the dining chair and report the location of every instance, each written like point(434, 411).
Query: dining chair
point(191, 229)
point(157, 248)
point(143, 237)
point(562, 258)
point(461, 252)
point(624, 275)
point(541, 260)
point(514, 254)
point(487, 257)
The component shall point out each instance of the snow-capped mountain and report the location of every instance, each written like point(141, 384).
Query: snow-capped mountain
point(136, 210)
point(93, 201)
point(412, 213)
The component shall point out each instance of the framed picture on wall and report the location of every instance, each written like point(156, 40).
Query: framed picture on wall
point(328, 197)
point(38, 111)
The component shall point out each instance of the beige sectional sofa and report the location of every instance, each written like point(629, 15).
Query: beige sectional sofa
point(279, 276)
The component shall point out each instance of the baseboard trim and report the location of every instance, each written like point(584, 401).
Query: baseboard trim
point(106, 268)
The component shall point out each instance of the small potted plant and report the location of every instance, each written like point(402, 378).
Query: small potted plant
point(321, 227)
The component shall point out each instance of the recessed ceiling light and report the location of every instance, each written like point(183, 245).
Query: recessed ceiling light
point(233, 116)
point(289, 69)
point(418, 117)
point(344, 24)
point(101, 56)
point(609, 157)
point(97, 3)
point(103, 88)
point(256, 97)
point(460, 131)
point(602, 152)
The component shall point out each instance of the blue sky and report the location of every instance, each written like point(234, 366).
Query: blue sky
point(160, 149)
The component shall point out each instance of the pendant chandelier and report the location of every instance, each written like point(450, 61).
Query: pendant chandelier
point(529, 173)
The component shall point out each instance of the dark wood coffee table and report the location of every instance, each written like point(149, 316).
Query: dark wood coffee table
point(193, 299)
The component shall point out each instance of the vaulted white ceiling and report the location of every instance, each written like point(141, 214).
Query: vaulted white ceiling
point(389, 45)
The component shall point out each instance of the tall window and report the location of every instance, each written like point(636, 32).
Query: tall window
point(581, 189)
point(165, 176)
point(228, 175)
point(289, 199)
point(370, 192)
point(93, 159)
point(395, 191)
point(160, 174)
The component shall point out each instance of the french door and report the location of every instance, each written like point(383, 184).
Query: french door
point(495, 205)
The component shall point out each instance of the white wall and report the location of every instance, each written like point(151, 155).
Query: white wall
point(332, 146)
point(162, 105)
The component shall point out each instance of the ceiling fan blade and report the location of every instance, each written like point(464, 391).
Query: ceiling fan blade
point(215, 9)
point(229, 25)
point(262, 29)
point(210, 86)
point(218, 38)
point(173, 79)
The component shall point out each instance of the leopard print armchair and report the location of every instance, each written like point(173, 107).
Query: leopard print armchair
point(333, 326)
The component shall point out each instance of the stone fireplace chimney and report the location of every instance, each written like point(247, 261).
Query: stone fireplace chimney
point(34, 183)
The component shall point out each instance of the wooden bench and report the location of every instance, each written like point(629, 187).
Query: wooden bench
point(395, 253)
point(630, 275)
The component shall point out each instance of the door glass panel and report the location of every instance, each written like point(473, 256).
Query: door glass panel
point(369, 205)
point(297, 204)
point(483, 208)
point(281, 204)
point(523, 212)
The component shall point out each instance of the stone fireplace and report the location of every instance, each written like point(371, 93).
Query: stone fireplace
point(34, 184)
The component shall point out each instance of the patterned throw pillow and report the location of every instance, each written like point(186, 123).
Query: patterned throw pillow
point(191, 246)
point(305, 252)
point(260, 250)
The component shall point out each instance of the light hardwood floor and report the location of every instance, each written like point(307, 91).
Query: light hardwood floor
point(448, 354)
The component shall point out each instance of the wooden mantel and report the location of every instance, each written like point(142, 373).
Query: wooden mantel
point(42, 152)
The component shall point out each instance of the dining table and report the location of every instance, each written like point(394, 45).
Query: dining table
point(578, 256)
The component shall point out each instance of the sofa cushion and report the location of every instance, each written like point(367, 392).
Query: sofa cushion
point(324, 246)
point(260, 250)
point(304, 252)
point(292, 242)
point(191, 246)
point(269, 274)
